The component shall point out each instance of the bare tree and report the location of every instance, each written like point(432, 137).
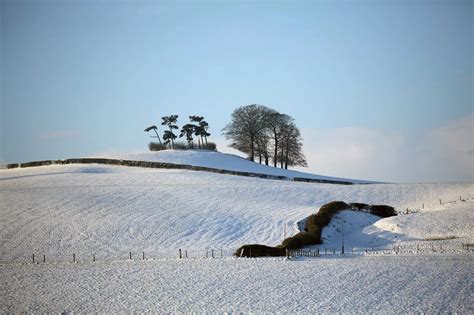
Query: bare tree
point(257, 129)
point(247, 124)
point(275, 123)
point(291, 152)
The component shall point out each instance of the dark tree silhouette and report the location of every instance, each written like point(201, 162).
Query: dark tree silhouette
point(254, 129)
point(188, 131)
point(247, 124)
point(170, 122)
point(155, 130)
point(200, 129)
point(291, 153)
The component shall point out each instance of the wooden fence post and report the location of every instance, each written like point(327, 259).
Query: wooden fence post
point(130, 255)
point(44, 258)
point(143, 255)
point(93, 257)
point(73, 258)
point(33, 258)
point(180, 255)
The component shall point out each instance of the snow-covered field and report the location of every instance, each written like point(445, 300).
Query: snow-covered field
point(376, 284)
point(109, 211)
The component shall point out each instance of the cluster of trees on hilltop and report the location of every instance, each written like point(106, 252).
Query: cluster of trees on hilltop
point(197, 127)
point(265, 133)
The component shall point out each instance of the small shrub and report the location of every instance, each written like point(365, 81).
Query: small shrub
point(300, 240)
point(209, 146)
point(316, 222)
point(256, 250)
point(383, 211)
point(181, 146)
point(155, 146)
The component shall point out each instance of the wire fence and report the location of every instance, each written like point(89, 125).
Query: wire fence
point(97, 257)
point(405, 249)
point(441, 202)
point(394, 250)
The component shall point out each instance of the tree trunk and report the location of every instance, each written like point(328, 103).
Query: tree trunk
point(259, 150)
point(252, 153)
point(275, 157)
point(281, 158)
point(158, 136)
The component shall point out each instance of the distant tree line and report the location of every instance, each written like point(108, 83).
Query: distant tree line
point(266, 134)
point(197, 127)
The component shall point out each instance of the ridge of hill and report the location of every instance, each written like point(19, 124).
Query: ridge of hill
point(225, 161)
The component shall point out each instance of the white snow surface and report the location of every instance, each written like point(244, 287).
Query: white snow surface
point(420, 284)
point(214, 159)
point(109, 211)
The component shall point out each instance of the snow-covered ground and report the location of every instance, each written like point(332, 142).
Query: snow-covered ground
point(376, 284)
point(214, 159)
point(451, 223)
point(109, 211)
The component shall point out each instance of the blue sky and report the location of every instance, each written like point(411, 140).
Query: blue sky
point(368, 82)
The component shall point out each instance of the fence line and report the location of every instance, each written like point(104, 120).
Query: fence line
point(394, 250)
point(183, 254)
point(74, 257)
point(441, 202)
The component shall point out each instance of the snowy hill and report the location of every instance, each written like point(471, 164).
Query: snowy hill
point(105, 212)
point(114, 209)
point(218, 160)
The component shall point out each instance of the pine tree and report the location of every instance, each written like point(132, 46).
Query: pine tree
point(188, 131)
point(154, 129)
point(168, 135)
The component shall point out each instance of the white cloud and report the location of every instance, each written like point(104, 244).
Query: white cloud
point(441, 154)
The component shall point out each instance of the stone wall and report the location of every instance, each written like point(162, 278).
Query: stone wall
point(167, 166)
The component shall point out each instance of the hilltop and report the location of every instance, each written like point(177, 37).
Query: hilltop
point(225, 161)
